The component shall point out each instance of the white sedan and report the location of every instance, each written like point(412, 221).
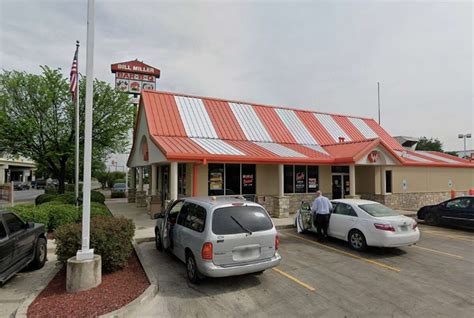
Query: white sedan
point(364, 223)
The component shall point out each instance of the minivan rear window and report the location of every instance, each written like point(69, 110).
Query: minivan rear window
point(252, 218)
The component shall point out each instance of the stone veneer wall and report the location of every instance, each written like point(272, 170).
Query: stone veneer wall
point(141, 199)
point(131, 195)
point(410, 201)
point(284, 206)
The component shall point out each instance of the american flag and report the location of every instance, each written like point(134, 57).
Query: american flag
point(73, 77)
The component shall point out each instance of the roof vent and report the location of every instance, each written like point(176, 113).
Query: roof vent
point(341, 139)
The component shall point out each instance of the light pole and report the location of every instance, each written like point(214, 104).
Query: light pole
point(464, 136)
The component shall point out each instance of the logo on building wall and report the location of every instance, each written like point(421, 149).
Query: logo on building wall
point(373, 157)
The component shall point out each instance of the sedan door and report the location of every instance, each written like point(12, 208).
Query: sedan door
point(342, 220)
point(455, 211)
point(6, 248)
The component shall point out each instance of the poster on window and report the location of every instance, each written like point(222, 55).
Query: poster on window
point(312, 183)
point(247, 180)
point(216, 181)
point(300, 181)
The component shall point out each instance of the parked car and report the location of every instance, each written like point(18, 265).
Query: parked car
point(21, 245)
point(18, 185)
point(364, 223)
point(458, 212)
point(119, 187)
point(38, 184)
point(218, 237)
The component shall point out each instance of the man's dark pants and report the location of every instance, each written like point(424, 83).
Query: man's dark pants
point(322, 222)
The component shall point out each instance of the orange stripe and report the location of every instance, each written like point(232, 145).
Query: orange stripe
point(349, 128)
point(274, 125)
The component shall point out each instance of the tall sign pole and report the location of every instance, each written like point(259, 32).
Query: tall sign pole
point(378, 98)
point(76, 187)
point(86, 253)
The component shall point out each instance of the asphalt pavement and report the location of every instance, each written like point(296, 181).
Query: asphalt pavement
point(434, 278)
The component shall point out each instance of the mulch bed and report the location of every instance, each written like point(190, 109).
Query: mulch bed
point(117, 290)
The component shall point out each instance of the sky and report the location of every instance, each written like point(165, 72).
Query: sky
point(320, 55)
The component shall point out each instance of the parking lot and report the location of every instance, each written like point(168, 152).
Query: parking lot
point(433, 278)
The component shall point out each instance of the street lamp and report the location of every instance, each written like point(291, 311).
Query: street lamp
point(464, 136)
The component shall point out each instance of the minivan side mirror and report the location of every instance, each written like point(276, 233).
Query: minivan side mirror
point(158, 216)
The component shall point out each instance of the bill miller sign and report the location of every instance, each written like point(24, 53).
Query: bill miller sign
point(133, 76)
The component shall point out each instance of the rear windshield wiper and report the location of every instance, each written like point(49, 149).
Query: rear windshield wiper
point(243, 228)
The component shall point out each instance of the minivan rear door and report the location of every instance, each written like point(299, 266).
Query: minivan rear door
point(245, 234)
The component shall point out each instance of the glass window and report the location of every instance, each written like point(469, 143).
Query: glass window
point(13, 222)
point(288, 179)
point(377, 210)
point(340, 169)
point(173, 214)
point(300, 179)
point(3, 232)
point(313, 179)
point(216, 179)
point(461, 203)
point(344, 209)
point(195, 217)
point(388, 181)
point(248, 179)
point(182, 178)
point(240, 219)
point(232, 179)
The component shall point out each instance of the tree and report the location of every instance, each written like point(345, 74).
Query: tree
point(432, 144)
point(37, 120)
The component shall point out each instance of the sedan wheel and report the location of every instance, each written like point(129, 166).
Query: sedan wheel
point(357, 240)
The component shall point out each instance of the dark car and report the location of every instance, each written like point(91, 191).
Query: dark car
point(18, 185)
point(21, 245)
point(458, 212)
point(39, 184)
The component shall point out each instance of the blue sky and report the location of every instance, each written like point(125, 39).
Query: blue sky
point(321, 55)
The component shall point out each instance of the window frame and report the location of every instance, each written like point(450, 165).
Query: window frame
point(188, 222)
point(340, 204)
point(293, 177)
point(388, 181)
point(10, 233)
point(224, 177)
point(5, 230)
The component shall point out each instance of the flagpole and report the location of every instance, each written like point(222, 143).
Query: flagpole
point(86, 253)
point(76, 188)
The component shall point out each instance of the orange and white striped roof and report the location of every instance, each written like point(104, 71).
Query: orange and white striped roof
point(188, 127)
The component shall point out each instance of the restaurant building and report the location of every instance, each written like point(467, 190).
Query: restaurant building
point(278, 156)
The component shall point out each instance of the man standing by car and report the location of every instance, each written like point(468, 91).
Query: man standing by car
point(321, 209)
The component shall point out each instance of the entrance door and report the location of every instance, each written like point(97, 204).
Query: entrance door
point(340, 185)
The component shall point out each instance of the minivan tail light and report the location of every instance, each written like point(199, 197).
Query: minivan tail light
point(206, 252)
point(277, 242)
point(384, 227)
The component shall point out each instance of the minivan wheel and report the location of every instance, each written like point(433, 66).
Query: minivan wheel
point(357, 240)
point(41, 252)
point(158, 243)
point(191, 269)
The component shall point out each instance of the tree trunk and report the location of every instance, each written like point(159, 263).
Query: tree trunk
point(62, 177)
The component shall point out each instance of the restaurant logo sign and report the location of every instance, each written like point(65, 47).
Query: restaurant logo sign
point(134, 76)
point(373, 157)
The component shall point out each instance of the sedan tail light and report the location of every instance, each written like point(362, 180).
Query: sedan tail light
point(277, 242)
point(415, 225)
point(384, 227)
point(206, 252)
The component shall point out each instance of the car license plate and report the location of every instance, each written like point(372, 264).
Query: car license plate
point(404, 227)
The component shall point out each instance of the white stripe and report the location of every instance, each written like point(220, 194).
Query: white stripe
point(332, 127)
point(279, 150)
point(407, 155)
point(195, 118)
point(217, 147)
point(251, 125)
point(363, 128)
point(296, 127)
point(431, 155)
point(317, 148)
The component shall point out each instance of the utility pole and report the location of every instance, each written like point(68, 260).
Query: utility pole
point(378, 97)
point(76, 186)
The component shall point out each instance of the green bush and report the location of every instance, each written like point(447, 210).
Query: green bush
point(98, 209)
point(43, 198)
point(98, 197)
point(72, 187)
point(59, 214)
point(30, 213)
point(117, 194)
point(50, 189)
point(68, 198)
point(109, 237)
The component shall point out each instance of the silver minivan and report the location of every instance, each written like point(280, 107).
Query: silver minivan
point(218, 236)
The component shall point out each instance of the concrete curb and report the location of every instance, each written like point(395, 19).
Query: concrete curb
point(147, 295)
point(22, 310)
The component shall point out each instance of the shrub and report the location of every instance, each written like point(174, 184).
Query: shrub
point(50, 189)
point(43, 198)
point(72, 188)
point(59, 214)
point(110, 238)
point(98, 209)
point(98, 197)
point(30, 213)
point(117, 194)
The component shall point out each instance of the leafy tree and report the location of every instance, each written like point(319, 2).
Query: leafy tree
point(37, 120)
point(432, 144)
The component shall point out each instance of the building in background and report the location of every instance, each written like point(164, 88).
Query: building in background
point(407, 142)
point(199, 146)
point(16, 169)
